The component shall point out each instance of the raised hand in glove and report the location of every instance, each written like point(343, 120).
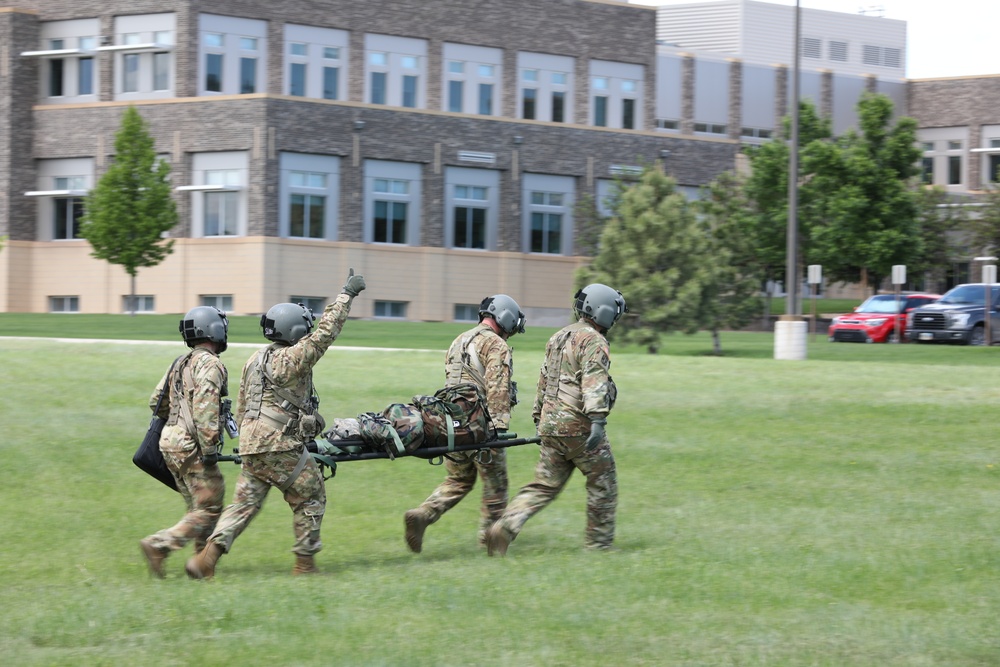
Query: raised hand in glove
point(355, 284)
point(596, 433)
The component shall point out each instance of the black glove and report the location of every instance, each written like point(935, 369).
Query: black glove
point(355, 284)
point(596, 433)
point(210, 459)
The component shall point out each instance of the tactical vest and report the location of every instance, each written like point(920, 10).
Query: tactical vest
point(280, 407)
point(570, 394)
point(468, 363)
point(182, 387)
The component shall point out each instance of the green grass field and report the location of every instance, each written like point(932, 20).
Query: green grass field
point(843, 510)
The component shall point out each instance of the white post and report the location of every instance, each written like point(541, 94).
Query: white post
point(898, 279)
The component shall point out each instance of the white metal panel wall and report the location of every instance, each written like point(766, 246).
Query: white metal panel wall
point(763, 33)
point(708, 26)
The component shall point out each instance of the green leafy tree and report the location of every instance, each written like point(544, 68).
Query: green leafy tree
point(732, 295)
point(858, 197)
point(767, 191)
point(131, 207)
point(984, 228)
point(940, 224)
point(655, 250)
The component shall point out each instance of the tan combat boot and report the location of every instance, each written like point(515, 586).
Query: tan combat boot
point(202, 566)
point(154, 557)
point(497, 540)
point(304, 565)
point(416, 523)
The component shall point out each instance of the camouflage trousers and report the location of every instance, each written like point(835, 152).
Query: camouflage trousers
point(558, 458)
point(306, 497)
point(204, 490)
point(462, 468)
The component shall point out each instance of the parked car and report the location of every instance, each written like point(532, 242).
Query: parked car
point(874, 321)
point(957, 317)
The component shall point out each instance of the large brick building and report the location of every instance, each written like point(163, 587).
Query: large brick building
point(438, 147)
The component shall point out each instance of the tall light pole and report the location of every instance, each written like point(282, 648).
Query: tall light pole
point(790, 330)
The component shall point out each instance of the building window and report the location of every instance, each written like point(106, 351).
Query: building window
point(306, 216)
point(954, 170)
point(309, 190)
point(466, 312)
point(455, 90)
point(314, 303)
point(710, 128)
point(616, 89)
point(409, 91)
point(528, 103)
point(62, 185)
point(486, 99)
point(143, 56)
point(219, 194)
point(601, 111)
point(628, 114)
point(223, 302)
point(548, 206)
point(64, 304)
point(668, 124)
point(392, 202)
point(213, 72)
point(66, 52)
point(144, 303)
point(233, 54)
point(395, 310)
point(390, 216)
point(927, 170)
point(472, 208)
point(297, 80)
point(395, 70)
point(314, 62)
point(546, 87)
point(473, 78)
point(67, 212)
point(221, 213)
point(993, 171)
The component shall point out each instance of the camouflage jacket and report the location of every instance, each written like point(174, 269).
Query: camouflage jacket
point(203, 389)
point(575, 382)
point(290, 367)
point(481, 356)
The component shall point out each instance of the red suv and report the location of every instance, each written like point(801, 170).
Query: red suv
point(874, 321)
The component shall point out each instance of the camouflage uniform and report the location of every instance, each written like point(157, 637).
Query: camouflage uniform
point(272, 436)
point(203, 381)
point(481, 356)
point(574, 387)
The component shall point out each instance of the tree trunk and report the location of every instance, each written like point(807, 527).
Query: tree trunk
point(716, 343)
point(131, 298)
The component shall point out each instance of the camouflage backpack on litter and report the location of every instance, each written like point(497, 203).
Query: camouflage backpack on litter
point(396, 430)
point(455, 415)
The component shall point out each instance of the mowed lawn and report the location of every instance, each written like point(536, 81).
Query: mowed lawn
point(843, 510)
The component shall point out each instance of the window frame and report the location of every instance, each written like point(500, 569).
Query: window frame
point(385, 170)
point(234, 53)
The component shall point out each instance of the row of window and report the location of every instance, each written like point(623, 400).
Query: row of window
point(309, 195)
point(232, 60)
point(146, 303)
point(943, 160)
